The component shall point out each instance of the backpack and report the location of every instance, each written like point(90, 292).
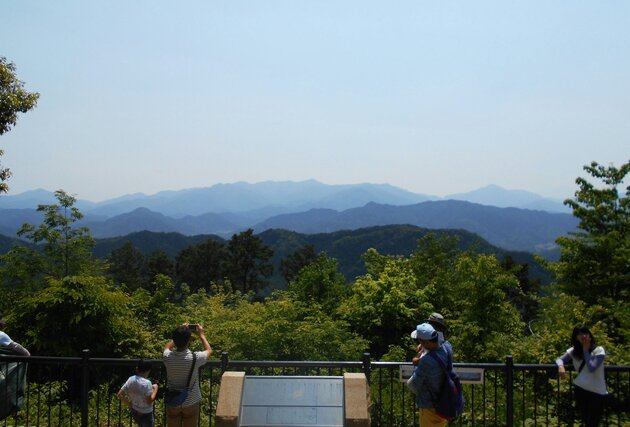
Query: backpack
point(450, 403)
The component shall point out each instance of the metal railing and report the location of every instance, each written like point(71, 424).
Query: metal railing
point(81, 391)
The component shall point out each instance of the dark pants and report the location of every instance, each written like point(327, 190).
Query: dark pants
point(143, 420)
point(590, 406)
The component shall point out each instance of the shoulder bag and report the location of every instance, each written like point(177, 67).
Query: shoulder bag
point(175, 397)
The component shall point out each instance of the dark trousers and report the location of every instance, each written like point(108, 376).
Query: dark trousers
point(590, 406)
point(143, 420)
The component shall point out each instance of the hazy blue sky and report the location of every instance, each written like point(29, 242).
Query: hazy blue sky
point(436, 97)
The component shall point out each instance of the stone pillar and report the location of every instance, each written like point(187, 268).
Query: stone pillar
point(356, 400)
point(230, 395)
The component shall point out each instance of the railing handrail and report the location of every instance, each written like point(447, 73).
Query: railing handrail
point(296, 363)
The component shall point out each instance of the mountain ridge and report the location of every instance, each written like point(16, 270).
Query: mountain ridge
point(508, 228)
point(276, 197)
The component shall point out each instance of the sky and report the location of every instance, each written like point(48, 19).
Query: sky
point(436, 97)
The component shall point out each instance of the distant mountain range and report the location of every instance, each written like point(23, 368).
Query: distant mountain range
point(256, 202)
point(309, 207)
point(508, 228)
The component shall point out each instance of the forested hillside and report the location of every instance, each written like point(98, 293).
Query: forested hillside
point(347, 247)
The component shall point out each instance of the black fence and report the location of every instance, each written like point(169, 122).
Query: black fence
point(81, 391)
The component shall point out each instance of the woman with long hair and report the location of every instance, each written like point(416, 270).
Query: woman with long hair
point(589, 383)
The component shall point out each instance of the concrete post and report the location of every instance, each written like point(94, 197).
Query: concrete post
point(230, 396)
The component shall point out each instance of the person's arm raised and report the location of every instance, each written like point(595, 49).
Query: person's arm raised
point(204, 341)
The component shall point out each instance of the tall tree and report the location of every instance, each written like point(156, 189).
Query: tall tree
point(594, 262)
point(14, 99)
point(385, 303)
point(485, 325)
point(320, 281)
point(127, 266)
point(200, 265)
point(60, 248)
point(158, 262)
point(295, 261)
point(248, 265)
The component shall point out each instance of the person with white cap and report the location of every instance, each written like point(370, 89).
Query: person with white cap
point(8, 343)
point(428, 377)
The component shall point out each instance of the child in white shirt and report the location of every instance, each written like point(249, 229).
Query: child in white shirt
point(139, 394)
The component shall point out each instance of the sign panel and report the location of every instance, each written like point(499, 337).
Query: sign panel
point(292, 401)
point(470, 375)
point(466, 375)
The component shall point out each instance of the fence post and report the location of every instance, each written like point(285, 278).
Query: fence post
point(367, 366)
point(85, 385)
point(224, 361)
point(509, 391)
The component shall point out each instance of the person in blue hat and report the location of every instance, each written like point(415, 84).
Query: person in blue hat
point(439, 324)
point(428, 377)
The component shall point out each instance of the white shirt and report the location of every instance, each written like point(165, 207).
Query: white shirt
point(138, 389)
point(591, 381)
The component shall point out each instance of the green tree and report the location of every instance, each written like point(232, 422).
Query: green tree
point(60, 248)
point(158, 311)
point(200, 265)
point(485, 325)
point(127, 266)
point(295, 261)
point(525, 297)
point(78, 312)
point(385, 304)
point(550, 333)
point(433, 263)
point(14, 99)
point(247, 263)
point(158, 262)
point(594, 262)
point(280, 328)
point(320, 281)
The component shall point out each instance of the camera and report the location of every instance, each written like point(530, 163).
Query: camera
point(192, 327)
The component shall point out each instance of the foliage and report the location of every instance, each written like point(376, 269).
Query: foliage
point(158, 263)
point(61, 249)
point(385, 304)
point(280, 328)
point(595, 262)
point(484, 324)
point(433, 263)
point(525, 297)
point(158, 311)
point(75, 313)
point(320, 282)
point(14, 99)
point(247, 264)
point(200, 265)
point(295, 261)
point(127, 266)
point(551, 331)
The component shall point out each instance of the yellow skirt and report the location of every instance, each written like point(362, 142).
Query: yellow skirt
point(428, 418)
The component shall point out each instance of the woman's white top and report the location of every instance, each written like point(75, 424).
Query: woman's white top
point(593, 381)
